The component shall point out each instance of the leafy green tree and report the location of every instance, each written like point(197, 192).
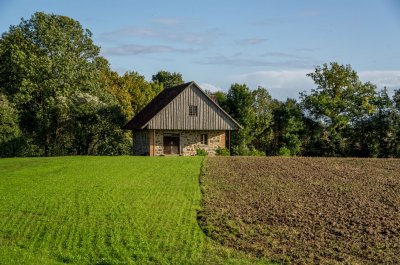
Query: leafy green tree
point(221, 99)
point(239, 102)
point(253, 110)
point(261, 129)
point(115, 85)
point(131, 90)
point(10, 134)
point(378, 135)
point(372, 135)
point(339, 100)
point(141, 92)
point(167, 79)
point(45, 61)
point(396, 98)
point(94, 124)
point(396, 115)
point(313, 141)
point(288, 128)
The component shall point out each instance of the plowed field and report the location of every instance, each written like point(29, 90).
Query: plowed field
point(305, 210)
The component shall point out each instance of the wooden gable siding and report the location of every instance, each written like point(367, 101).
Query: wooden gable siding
point(175, 116)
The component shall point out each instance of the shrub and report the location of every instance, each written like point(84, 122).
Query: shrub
point(243, 150)
point(240, 150)
point(254, 152)
point(284, 151)
point(201, 152)
point(222, 152)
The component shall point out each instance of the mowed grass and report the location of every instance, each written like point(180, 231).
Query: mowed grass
point(105, 210)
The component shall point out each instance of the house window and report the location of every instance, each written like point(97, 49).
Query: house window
point(192, 110)
point(204, 139)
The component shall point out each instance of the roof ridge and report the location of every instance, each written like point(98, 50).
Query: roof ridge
point(155, 105)
point(162, 100)
point(226, 113)
point(179, 85)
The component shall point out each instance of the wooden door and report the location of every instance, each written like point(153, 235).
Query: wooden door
point(171, 145)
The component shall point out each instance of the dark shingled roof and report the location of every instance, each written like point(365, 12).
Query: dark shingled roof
point(155, 106)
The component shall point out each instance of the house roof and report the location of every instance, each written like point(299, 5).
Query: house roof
point(160, 102)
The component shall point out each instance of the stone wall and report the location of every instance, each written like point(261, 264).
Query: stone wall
point(158, 146)
point(190, 141)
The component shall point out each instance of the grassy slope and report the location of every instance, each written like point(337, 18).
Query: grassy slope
point(104, 210)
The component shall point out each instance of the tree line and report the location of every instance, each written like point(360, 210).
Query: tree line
point(58, 96)
point(342, 116)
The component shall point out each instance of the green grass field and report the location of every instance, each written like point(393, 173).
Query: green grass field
point(105, 210)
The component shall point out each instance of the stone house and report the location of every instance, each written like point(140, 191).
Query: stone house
point(180, 120)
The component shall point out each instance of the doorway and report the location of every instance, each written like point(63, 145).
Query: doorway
point(171, 144)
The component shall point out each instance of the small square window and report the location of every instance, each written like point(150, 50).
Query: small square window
point(192, 110)
point(204, 139)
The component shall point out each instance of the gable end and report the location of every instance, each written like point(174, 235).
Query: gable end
point(183, 107)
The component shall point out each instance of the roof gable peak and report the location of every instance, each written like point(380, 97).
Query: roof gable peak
point(162, 100)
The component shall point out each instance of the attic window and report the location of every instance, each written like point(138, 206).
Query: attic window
point(192, 110)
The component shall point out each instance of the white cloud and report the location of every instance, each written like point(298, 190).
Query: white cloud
point(239, 62)
point(131, 32)
point(176, 35)
point(389, 79)
point(209, 87)
point(165, 21)
point(283, 55)
point(133, 49)
point(283, 84)
point(251, 41)
point(310, 14)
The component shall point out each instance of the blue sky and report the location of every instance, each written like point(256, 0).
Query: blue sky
point(216, 43)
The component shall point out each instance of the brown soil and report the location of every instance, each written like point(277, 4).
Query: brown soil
point(305, 210)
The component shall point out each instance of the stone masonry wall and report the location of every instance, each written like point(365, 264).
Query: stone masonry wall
point(190, 141)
